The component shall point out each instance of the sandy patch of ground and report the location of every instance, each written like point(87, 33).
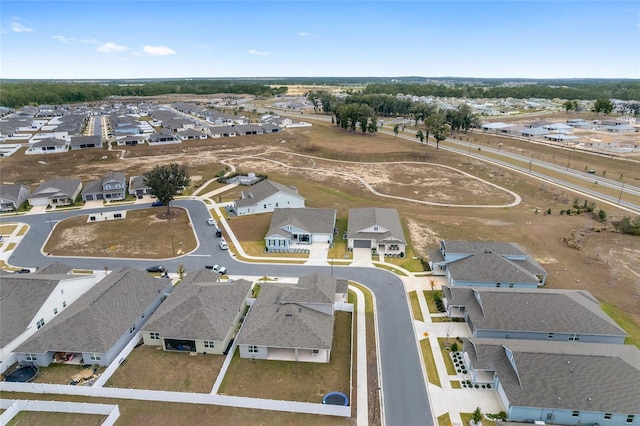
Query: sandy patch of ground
point(423, 238)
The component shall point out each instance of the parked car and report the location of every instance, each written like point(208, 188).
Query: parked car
point(211, 221)
point(220, 269)
point(156, 268)
point(23, 271)
point(223, 245)
point(140, 196)
point(157, 204)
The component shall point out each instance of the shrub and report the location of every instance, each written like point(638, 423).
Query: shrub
point(454, 347)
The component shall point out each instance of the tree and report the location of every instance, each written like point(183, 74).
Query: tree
point(396, 129)
point(603, 105)
point(477, 415)
point(420, 136)
point(437, 125)
point(166, 181)
point(568, 106)
point(602, 215)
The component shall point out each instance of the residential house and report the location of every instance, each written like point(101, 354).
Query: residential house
point(191, 134)
point(293, 226)
point(29, 301)
point(48, 146)
point(82, 142)
point(533, 314)
point(265, 196)
point(485, 263)
point(270, 128)
point(223, 132)
point(558, 382)
point(137, 186)
point(12, 196)
point(56, 192)
point(130, 140)
point(112, 187)
point(293, 322)
point(201, 315)
point(95, 328)
point(376, 228)
point(163, 137)
point(249, 129)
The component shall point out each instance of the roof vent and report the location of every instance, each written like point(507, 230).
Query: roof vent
point(288, 315)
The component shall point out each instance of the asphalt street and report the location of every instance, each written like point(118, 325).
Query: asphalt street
point(403, 390)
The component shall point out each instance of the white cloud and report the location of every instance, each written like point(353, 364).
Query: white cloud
point(257, 52)
point(158, 50)
point(18, 27)
point(64, 39)
point(303, 34)
point(89, 41)
point(111, 47)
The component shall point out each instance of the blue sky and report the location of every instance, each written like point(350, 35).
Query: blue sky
point(175, 39)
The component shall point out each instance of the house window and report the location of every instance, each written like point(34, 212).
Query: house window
point(574, 337)
point(92, 218)
point(375, 228)
point(607, 416)
point(277, 204)
point(550, 336)
point(55, 311)
point(315, 352)
point(132, 329)
point(253, 349)
point(154, 336)
point(31, 357)
point(510, 285)
point(265, 206)
point(575, 413)
point(208, 344)
point(117, 215)
point(630, 418)
point(40, 323)
point(94, 357)
point(64, 304)
point(498, 285)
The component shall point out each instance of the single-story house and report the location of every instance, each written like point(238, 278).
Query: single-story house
point(270, 128)
point(191, 134)
point(566, 383)
point(265, 196)
point(533, 314)
point(56, 192)
point(376, 228)
point(201, 315)
point(29, 301)
point(293, 322)
point(12, 196)
point(163, 137)
point(292, 226)
point(249, 129)
point(95, 328)
point(223, 131)
point(137, 186)
point(494, 127)
point(48, 146)
point(131, 140)
point(560, 137)
point(486, 264)
point(82, 142)
point(112, 187)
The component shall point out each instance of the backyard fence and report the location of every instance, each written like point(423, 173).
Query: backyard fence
point(13, 407)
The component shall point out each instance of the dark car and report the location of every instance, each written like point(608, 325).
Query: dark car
point(23, 271)
point(155, 268)
point(157, 204)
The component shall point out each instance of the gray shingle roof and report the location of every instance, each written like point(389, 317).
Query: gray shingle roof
point(262, 190)
point(365, 217)
point(540, 310)
point(61, 187)
point(279, 318)
point(200, 308)
point(478, 247)
point(80, 140)
point(561, 375)
point(49, 142)
point(55, 268)
point(20, 299)
point(313, 221)
point(99, 317)
point(10, 191)
point(492, 268)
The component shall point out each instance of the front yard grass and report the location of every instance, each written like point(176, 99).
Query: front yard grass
point(42, 418)
point(415, 306)
point(429, 362)
point(148, 367)
point(451, 370)
point(430, 298)
point(294, 381)
point(444, 420)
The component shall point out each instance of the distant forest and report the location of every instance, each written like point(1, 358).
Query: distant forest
point(18, 93)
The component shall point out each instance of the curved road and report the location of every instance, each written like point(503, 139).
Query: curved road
point(403, 389)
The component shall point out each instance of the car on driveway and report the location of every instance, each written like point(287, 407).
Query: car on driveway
point(220, 269)
point(156, 268)
point(223, 244)
point(157, 204)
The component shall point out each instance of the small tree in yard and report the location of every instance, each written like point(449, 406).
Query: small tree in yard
point(602, 215)
point(166, 181)
point(181, 271)
point(477, 415)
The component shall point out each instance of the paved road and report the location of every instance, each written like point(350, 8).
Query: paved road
point(403, 392)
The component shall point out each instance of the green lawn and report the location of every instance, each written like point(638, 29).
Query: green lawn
point(625, 321)
point(429, 362)
point(415, 306)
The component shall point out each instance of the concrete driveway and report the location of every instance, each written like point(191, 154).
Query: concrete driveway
point(318, 254)
point(361, 257)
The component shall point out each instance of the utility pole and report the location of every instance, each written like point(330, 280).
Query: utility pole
point(621, 190)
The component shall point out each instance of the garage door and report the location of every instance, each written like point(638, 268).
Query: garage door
point(361, 243)
point(88, 197)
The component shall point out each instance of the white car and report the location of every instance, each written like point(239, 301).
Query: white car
point(220, 269)
point(223, 245)
point(211, 221)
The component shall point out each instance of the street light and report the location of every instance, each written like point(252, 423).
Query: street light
point(173, 249)
point(530, 163)
point(621, 190)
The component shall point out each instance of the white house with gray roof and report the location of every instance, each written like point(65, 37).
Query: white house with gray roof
point(201, 315)
point(29, 301)
point(265, 196)
point(558, 382)
point(294, 226)
point(376, 228)
point(48, 146)
point(95, 328)
point(12, 196)
point(56, 192)
point(293, 322)
point(533, 314)
point(83, 142)
point(486, 264)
